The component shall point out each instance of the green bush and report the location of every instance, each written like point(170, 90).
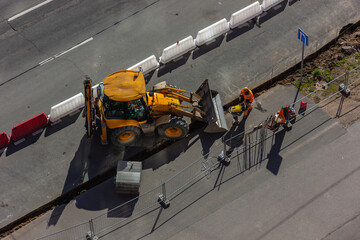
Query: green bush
point(317, 72)
point(311, 90)
point(353, 65)
point(307, 83)
point(331, 88)
point(357, 55)
point(340, 62)
point(297, 84)
point(327, 72)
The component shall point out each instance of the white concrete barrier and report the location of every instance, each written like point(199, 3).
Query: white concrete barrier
point(213, 31)
point(245, 14)
point(267, 4)
point(177, 49)
point(147, 65)
point(66, 107)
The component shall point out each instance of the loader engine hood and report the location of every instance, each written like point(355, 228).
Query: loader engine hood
point(125, 85)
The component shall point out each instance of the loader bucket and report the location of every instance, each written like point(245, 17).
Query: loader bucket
point(212, 106)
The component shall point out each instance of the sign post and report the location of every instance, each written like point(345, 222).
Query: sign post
point(305, 40)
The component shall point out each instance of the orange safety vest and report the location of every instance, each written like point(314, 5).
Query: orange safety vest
point(247, 98)
point(281, 114)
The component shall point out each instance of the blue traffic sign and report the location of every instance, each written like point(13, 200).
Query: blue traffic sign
point(303, 37)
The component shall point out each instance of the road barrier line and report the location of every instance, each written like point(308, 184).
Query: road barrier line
point(29, 10)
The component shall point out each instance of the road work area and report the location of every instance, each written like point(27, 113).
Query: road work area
point(253, 196)
point(61, 158)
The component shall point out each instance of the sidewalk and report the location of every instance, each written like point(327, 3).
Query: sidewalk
point(315, 198)
point(201, 200)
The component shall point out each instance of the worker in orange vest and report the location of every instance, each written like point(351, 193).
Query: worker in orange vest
point(247, 97)
point(284, 113)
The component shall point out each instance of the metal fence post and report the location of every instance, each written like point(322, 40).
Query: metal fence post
point(164, 202)
point(223, 158)
point(345, 92)
point(223, 140)
point(346, 78)
point(163, 189)
point(90, 235)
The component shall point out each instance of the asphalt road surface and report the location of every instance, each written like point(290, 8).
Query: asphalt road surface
point(121, 35)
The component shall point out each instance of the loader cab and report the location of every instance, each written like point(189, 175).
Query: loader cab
point(123, 99)
point(135, 109)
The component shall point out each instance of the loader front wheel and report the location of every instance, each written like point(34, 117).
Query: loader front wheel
point(125, 136)
point(176, 129)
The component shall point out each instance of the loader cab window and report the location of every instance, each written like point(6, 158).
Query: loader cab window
point(100, 91)
point(135, 109)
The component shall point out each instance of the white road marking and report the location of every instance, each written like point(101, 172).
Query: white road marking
point(46, 60)
point(29, 10)
point(76, 46)
point(62, 53)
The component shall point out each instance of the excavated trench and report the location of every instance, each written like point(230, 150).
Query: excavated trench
point(327, 55)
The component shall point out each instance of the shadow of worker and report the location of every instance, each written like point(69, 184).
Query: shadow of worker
point(235, 136)
point(275, 159)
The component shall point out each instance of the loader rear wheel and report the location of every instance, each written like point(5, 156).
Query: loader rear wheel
point(176, 129)
point(125, 136)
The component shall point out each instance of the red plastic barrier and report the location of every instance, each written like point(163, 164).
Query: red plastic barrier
point(4, 140)
point(29, 126)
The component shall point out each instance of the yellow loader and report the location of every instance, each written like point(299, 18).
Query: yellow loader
point(127, 111)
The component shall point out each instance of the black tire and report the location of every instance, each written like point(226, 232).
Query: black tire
point(176, 129)
point(125, 136)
